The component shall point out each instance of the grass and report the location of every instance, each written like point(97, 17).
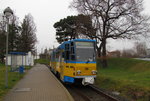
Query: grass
point(130, 77)
point(13, 78)
point(42, 61)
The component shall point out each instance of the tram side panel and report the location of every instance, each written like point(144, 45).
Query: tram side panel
point(69, 73)
point(53, 63)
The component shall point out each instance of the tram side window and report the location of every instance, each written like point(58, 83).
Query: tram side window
point(72, 51)
point(63, 55)
point(67, 47)
point(72, 43)
point(67, 55)
point(57, 56)
point(72, 57)
point(53, 57)
point(67, 52)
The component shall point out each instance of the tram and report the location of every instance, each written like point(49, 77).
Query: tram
point(75, 61)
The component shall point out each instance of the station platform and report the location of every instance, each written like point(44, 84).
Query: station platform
point(39, 84)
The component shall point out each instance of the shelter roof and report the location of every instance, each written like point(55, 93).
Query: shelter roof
point(17, 53)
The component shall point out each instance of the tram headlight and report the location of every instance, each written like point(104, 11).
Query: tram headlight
point(78, 72)
point(94, 72)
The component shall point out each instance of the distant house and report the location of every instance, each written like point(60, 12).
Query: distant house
point(114, 54)
point(46, 54)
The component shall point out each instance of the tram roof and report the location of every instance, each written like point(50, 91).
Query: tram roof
point(87, 40)
point(62, 46)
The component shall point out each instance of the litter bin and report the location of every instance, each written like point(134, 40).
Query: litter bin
point(21, 69)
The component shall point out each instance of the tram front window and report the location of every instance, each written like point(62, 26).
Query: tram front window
point(85, 51)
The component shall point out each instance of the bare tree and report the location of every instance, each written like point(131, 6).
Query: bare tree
point(113, 19)
point(140, 49)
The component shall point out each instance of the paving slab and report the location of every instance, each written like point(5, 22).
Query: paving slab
point(39, 84)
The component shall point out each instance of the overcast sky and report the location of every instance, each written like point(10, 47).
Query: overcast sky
point(46, 13)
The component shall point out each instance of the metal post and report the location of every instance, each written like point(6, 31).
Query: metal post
point(7, 12)
point(6, 74)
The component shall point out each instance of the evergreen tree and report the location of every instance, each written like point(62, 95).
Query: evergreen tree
point(2, 45)
point(28, 34)
point(74, 27)
point(14, 31)
point(12, 36)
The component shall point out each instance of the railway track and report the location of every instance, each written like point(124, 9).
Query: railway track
point(104, 94)
point(90, 93)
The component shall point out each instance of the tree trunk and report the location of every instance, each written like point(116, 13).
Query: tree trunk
point(104, 58)
point(98, 52)
point(99, 48)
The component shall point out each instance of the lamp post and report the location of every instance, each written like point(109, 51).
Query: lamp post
point(7, 12)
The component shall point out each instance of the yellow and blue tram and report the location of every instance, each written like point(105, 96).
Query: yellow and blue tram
point(75, 61)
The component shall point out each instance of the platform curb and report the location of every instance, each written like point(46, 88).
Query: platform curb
point(67, 93)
